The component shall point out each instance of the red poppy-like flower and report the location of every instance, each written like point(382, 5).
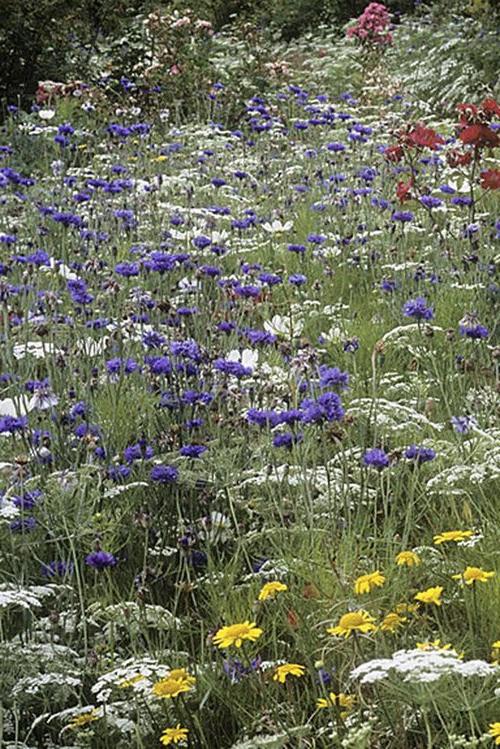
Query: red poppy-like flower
point(393, 153)
point(490, 179)
point(490, 107)
point(403, 190)
point(424, 137)
point(457, 158)
point(469, 113)
point(479, 135)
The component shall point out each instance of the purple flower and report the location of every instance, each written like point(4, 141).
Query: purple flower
point(376, 458)
point(403, 216)
point(287, 439)
point(420, 454)
point(430, 202)
point(164, 474)
point(333, 377)
point(100, 559)
point(418, 309)
point(193, 451)
point(463, 424)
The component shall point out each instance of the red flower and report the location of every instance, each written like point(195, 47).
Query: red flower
point(490, 179)
point(468, 113)
point(393, 153)
point(403, 190)
point(456, 158)
point(490, 108)
point(424, 137)
point(479, 136)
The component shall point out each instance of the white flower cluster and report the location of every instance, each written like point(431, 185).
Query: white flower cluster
point(40, 684)
point(149, 669)
point(28, 598)
point(421, 666)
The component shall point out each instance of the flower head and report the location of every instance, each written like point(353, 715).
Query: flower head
point(456, 536)
point(473, 575)
point(430, 595)
point(174, 735)
point(365, 583)
point(408, 558)
point(82, 720)
point(354, 621)
point(288, 669)
point(236, 634)
point(495, 732)
point(177, 682)
point(271, 590)
point(392, 621)
point(341, 700)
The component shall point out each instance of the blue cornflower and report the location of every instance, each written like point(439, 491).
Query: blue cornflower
point(100, 559)
point(418, 309)
point(420, 454)
point(164, 474)
point(193, 451)
point(376, 458)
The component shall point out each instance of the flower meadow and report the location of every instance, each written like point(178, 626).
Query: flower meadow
point(249, 396)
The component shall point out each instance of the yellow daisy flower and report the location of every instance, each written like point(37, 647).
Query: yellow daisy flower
point(271, 590)
point(431, 595)
point(288, 669)
point(354, 621)
point(392, 622)
point(473, 575)
point(177, 682)
point(236, 634)
point(341, 700)
point(82, 720)
point(408, 559)
point(495, 732)
point(130, 682)
point(174, 735)
point(365, 583)
point(456, 536)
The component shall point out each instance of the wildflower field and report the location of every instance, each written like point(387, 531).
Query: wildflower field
point(249, 400)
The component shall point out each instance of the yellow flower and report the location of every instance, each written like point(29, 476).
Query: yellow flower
point(406, 608)
point(495, 732)
point(354, 621)
point(79, 721)
point(162, 157)
point(392, 622)
point(434, 645)
point(235, 634)
point(474, 574)
point(408, 558)
point(365, 583)
point(431, 595)
point(495, 652)
point(174, 735)
point(456, 536)
point(130, 682)
point(288, 669)
point(177, 682)
point(271, 590)
point(337, 700)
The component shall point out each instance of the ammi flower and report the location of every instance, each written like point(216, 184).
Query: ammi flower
point(457, 536)
point(365, 583)
point(431, 595)
point(236, 634)
point(271, 590)
point(288, 669)
point(174, 735)
point(473, 575)
point(354, 621)
point(408, 559)
point(177, 682)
